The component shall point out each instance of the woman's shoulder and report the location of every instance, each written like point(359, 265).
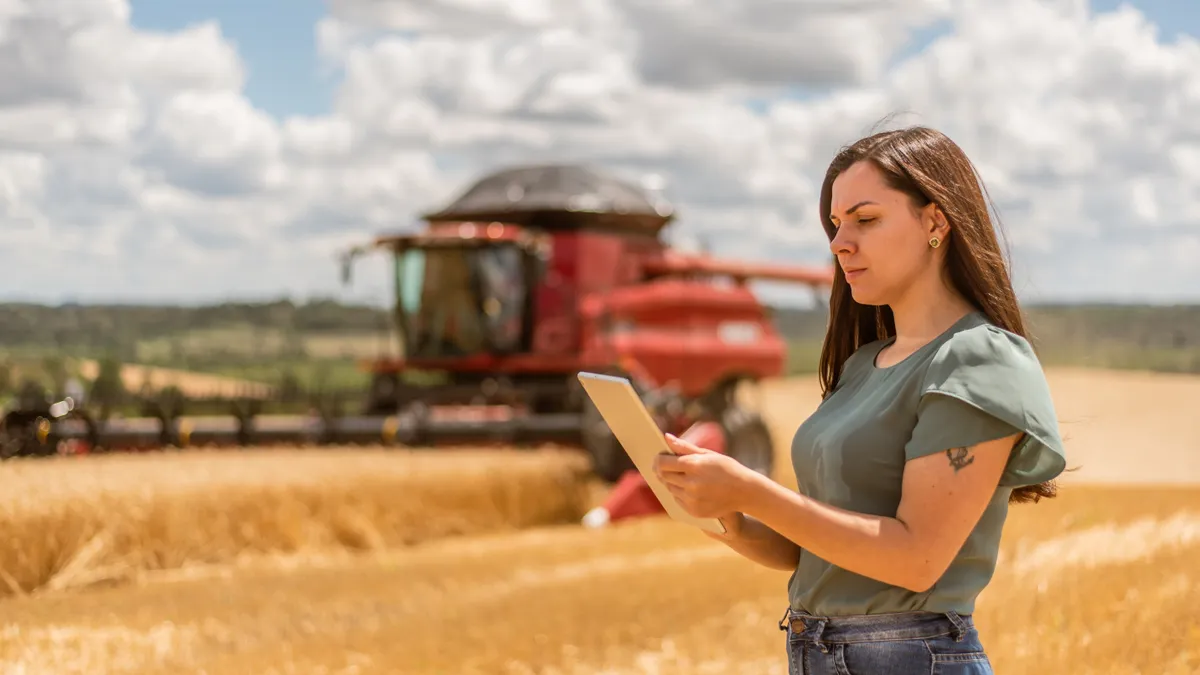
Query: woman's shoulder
point(997, 373)
point(994, 370)
point(982, 350)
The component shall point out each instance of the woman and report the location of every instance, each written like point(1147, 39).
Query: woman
point(935, 417)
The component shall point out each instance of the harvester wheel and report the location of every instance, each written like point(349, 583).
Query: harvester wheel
point(748, 440)
point(609, 459)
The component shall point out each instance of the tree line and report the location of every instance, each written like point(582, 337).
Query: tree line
point(72, 326)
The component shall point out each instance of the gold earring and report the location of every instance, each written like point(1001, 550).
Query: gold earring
point(935, 242)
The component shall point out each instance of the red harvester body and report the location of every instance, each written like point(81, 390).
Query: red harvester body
point(535, 274)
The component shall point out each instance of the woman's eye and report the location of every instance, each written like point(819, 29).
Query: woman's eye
point(866, 220)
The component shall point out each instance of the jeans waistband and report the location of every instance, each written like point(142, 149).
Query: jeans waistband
point(875, 627)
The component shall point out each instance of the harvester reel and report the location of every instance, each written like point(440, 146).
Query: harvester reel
point(748, 440)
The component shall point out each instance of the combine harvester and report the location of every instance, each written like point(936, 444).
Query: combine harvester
point(529, 277)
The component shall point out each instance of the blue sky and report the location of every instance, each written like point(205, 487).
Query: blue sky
point(277, 40)
point(1174, 17)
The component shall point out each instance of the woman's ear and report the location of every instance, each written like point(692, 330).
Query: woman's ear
point(934, 220)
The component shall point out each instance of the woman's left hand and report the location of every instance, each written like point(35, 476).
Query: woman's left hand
point(706, 484)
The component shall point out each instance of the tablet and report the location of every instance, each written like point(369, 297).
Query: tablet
point(634, 428)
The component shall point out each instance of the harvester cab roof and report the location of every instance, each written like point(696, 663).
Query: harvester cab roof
point(556, 197)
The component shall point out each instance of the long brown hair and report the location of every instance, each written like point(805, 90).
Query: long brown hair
point(928, 167)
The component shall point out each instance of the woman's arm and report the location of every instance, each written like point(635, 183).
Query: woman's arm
point(943, 497)
point(759, 543)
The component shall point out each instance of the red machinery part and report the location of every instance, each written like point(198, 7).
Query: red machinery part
point(632, 497)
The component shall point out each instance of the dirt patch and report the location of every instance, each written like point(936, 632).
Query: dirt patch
point(135, 377)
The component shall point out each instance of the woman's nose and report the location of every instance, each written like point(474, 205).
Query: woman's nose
point(840, 244)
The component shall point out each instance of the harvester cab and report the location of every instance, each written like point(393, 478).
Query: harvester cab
point(463, 290)
point(536, 273)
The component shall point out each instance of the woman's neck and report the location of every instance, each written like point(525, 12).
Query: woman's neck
point(925, 313)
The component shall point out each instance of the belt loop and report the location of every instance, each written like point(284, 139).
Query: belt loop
point(785, 622)
point(960, 626)
point(817, 637)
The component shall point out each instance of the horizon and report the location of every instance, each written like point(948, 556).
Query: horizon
point(206, 304)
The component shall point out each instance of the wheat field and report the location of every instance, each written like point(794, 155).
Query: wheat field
point(374, 561)
point(105, 519)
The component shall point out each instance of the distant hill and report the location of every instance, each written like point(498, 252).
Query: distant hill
point(1144, 325)
point(1162, 338)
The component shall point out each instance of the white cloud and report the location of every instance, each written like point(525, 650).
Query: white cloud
point(133, 163)
point(770, 42)
point(214, 144)
point(196, 58)
point(691, 43)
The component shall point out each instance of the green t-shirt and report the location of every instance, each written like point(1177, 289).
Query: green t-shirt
point(974, 383)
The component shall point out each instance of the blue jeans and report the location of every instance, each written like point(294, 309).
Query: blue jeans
point(904, 643)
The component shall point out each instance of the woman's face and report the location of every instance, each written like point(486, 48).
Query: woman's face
point(881, 239)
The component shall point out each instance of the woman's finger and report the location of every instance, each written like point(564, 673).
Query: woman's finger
point(665, 463)
point(673, 479)
point(677, 489)
point(682, 499)
point(684, 447)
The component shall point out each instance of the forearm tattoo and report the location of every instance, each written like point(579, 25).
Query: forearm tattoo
point(959, 458)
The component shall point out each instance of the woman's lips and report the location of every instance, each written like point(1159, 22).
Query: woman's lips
point(853, 273)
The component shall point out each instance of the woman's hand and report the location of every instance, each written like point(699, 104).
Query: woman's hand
point(704, 483)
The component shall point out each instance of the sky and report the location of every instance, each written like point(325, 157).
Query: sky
point(193, 152)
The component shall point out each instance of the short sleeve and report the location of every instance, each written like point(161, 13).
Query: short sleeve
point(983, 384)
